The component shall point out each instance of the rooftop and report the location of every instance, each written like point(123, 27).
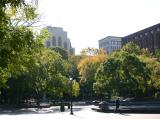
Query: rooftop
point(109, 37)
point(145, 30)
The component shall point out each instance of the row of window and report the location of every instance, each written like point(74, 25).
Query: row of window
point(110, 46)
point(151, 42)
point(110, 43)
point(145, 34)
point(115, 42)
point(53, 43)
point(113, 47)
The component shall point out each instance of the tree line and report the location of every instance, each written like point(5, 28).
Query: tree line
point(29, 70)
point(129, 72)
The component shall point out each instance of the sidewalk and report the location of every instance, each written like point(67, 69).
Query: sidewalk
point(131, 109)
point(50, 110)
point(84, 113)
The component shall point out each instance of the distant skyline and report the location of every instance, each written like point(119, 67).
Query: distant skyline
point(87, 21)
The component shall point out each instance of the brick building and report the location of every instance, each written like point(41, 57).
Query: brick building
point(146, 38)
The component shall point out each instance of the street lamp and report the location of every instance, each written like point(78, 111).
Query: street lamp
point(71, 97)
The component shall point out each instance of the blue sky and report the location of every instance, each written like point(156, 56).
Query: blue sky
point(88, 21)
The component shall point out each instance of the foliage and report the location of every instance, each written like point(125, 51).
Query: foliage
point(23, 59)
point(154, 67)
point(131, 48)
point(123, 74)
point(107, 77)
point(87, 66)
point(62, 52)
point(76, 88)
point(91, 51)
point(16, 42)
point(157, 54)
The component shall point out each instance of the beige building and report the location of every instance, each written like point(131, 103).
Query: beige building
point(59, 38)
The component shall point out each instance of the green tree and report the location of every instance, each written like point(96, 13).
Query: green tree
point(123, 74)
point(108, 78)
point(16, 42)
point(153, 84)
point(76, 88)
point(131, 48)
point(135, 75)
point(157, 54)
point(62, 52)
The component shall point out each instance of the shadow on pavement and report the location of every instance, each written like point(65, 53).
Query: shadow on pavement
point(130, 111)
point(18, 111)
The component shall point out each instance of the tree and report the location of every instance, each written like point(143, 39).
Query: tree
point(76, 88)
point(131, 48)
point(108, 77)
point(153, 84)
point(136, 75)
point(23, 56)
point(157, 54)
point(62, 52)
point(123, 74)
point(91, 59)
point(16, 41)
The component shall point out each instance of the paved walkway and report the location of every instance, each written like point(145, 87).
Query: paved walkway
point(80, 112)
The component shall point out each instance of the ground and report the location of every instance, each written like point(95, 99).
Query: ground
point(80, 112)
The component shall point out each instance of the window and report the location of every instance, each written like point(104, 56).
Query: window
point(59, 41)
point(136, 37)
point(53, 41)
point(152, 32)
point(100, 45)
point(107, 42)
point(146, 34)
point(65, 45)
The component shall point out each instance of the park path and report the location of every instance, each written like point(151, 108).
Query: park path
point(80, 112)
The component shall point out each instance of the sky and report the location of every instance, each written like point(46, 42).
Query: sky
point(87, 21)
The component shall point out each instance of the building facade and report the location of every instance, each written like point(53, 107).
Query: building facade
point(59, 39)
point(147, 38)
point(110, 44)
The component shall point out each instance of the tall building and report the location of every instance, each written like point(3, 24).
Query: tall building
point(59, 38)
point(110, 44)
point(146, 38)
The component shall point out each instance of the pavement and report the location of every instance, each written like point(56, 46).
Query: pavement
point(80, 112)
point(131, 109)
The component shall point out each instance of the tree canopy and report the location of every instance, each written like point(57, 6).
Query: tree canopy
point(127, 73)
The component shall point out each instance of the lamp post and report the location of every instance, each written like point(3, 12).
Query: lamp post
point(71, 97)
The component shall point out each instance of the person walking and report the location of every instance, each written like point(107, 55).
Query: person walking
point(117, 103)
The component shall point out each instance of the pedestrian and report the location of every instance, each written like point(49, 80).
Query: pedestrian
point(117, 103)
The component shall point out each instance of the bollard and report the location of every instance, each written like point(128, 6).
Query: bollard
point(68, 106)
point(62, 108)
